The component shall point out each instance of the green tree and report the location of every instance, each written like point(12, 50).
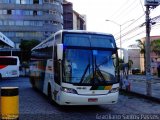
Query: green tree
point(141, 45)
point(26, 46)
point(155, 46)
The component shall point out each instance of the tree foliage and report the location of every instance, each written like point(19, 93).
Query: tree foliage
point(141, 45)
point(26, 46)
point(155, 46)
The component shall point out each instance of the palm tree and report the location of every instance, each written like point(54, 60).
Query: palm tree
point(141, 45)
point(155, 47)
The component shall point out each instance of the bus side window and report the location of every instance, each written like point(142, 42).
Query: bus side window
point(56, 67)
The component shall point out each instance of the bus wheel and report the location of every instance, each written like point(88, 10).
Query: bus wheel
point(0, 77)
point(49, 93)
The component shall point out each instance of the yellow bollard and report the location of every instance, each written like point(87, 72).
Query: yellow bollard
point(9, 103)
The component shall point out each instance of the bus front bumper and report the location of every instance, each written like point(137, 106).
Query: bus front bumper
point(75, 99)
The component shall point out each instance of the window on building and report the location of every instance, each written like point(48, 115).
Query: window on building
point(46, 1)
point(38, 23)
point(26, 12)
point(46, 22)
point(1, 11)
point(31, 12)
point(34, 12)
point(40, 1)
point(19, 34)
point(4, 12)
point(1, 22)
point(19, 12)
point(5, 22)
point(35, 1)
point(51, 1)
point(13, 12)
point(9, 12)
point(39, 13)
point(30, 1)
point(24, 1)
point(26, 23)
point(11, 22)
point(18, 1)
point(19, 22)
point(12, 1)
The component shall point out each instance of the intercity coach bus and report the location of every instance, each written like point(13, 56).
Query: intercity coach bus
point(76, 68)
point(9, 66)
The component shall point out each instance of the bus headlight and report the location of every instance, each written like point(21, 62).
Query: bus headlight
point(14, 72)
point(69, 90)
point(113, 90)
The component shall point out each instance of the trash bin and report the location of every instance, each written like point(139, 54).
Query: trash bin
point(158, 70)
point(9, 103)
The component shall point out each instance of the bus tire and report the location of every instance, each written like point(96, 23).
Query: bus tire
point(49, 93)
point(32, 81)
point(0, 77)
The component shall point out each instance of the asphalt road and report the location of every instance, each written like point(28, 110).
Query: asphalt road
point(33, 105)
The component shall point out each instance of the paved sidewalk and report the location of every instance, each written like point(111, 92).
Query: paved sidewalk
point(138, 86)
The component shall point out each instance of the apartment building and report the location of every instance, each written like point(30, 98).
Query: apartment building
point(72, 19)
point(30, 19)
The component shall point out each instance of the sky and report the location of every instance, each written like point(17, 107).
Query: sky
point(127, 13)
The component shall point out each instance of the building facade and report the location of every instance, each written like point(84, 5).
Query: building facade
point(72, 20)
point(30, 19)
point(67, 15)
point(155, 59)
point(138, 58)
point(134, 55)
point(79, 21)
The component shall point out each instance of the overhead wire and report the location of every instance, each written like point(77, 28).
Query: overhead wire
point(130, 24)
point(133, 21)
point(128, 10)
point(142, 6)
point(157, 19)
point(141, 32)
point(156, 26)
point(125, 9)
point(119, 9)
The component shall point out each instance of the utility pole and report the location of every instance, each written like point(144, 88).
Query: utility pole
point(147, 56)
point(149, 4)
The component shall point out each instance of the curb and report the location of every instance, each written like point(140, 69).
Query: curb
point(131, 93)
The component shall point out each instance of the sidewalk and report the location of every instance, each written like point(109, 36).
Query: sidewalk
point(138, 86)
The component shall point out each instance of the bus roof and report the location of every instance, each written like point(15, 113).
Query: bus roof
point(83, 31)
point(47, 42)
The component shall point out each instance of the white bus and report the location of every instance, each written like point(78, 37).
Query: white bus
point(9, 66)
point(76, 68)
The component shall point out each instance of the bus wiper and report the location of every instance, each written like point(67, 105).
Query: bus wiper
point(100, 73)
point(85, 71)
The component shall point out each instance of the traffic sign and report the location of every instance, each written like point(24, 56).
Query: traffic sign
point(151, 2)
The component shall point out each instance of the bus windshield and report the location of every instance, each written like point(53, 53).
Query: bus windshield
point(8, 61)
point(89, 40)
point(83, 66)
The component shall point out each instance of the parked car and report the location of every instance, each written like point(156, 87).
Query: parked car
point(135, 71)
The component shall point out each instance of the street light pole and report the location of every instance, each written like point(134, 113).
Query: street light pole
point(120, 26)
point(120, 41)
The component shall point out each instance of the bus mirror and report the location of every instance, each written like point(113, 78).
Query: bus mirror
point(59, 51)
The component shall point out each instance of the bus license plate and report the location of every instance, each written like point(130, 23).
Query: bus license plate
point(92, 99)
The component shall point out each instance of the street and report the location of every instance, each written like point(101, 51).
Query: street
point(35, 105)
